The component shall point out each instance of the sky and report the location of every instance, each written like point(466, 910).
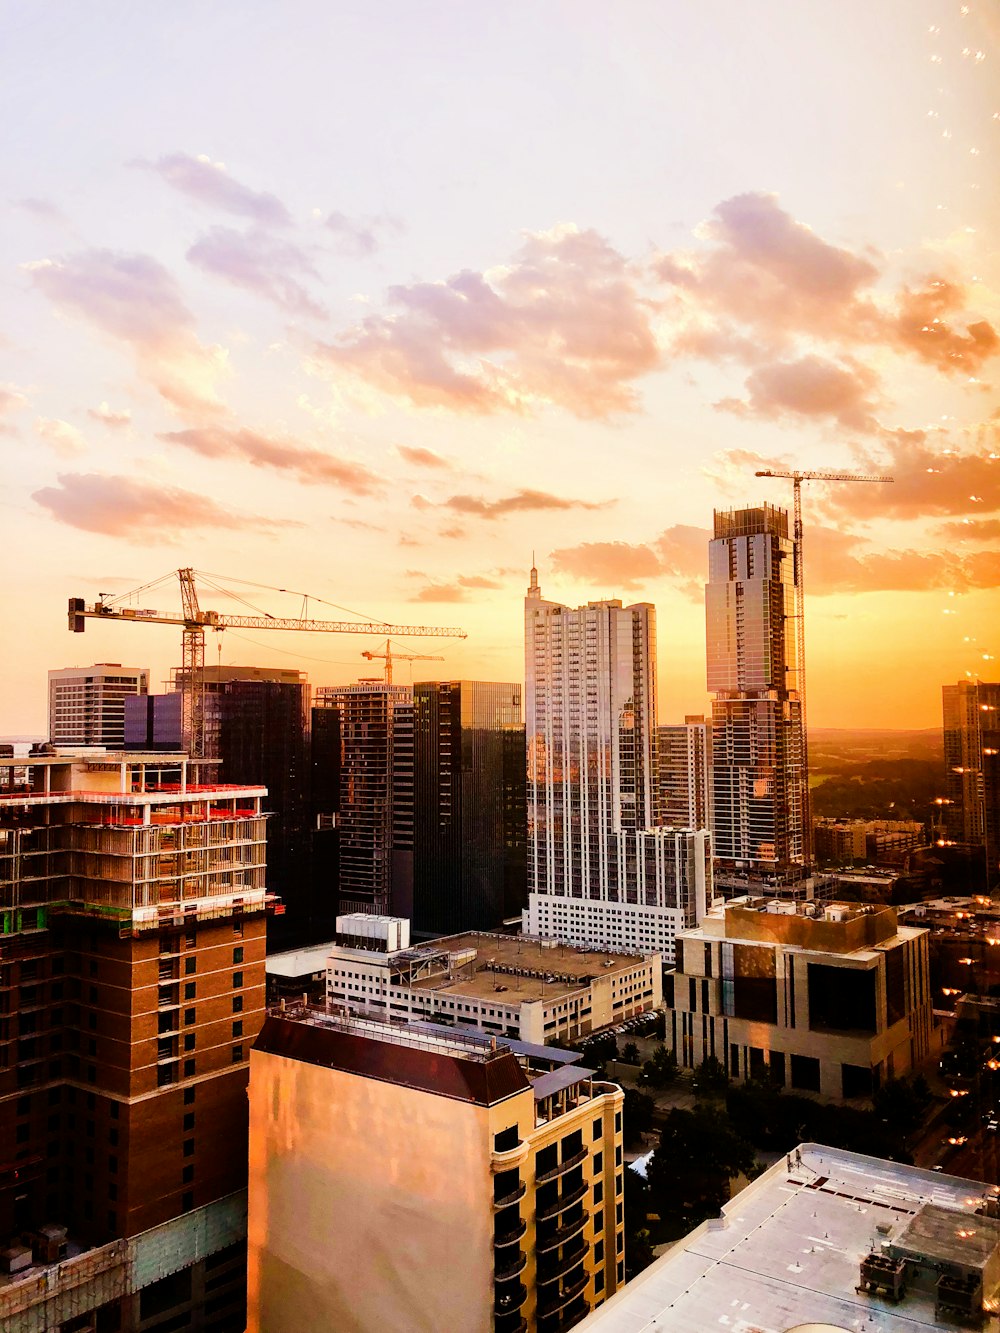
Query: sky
point(374, 302)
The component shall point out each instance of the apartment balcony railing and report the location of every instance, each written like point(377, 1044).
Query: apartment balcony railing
point(554, 1209)
point(565, 1319)
point(512, 1322)
point(510, 1237)
point(512, 1196)
point(562, 1265)
point(510, 1267)
point(564, 1165)
point(505, 1302)
point(562, 1234)
point(555, 1303)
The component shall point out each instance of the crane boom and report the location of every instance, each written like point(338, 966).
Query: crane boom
point(797, 477)
point(389, 657)
point(194, 621)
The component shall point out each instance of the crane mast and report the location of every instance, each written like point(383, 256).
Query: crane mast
point(193, 621)
point(389, 657)
point(797, 477)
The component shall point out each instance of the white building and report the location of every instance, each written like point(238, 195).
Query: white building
point(87, 704)
point(599, 872)
point(536, 990)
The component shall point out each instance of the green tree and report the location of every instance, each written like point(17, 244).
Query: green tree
point(710, 1079)
point(630, 1053)
point(689, 1173)
point(637, 1116)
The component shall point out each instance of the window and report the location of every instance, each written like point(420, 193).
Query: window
point(237, 980)
point(187, 1174)
point(189, 1120)
point(237, 1054)
point(113, 1165)
point(598, 1192)
point(189, 1096)
point(188, 1068)
point(238, 955)
point(598, 1163)
point(237, 1004)
point(190, 965)
point(113, 1138)
point(598, 1251)
point(238, 1028)
point(189, 939)
point(189, 990)
point(187, 1201)
point(597, 1129)
point(598, 1281)
point(189, 1147)
point(188, 1016)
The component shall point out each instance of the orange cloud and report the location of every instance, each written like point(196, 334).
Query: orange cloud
point(564, 324)
point(132, 299)
point(608, 564)
point(308, 465)
point(109, 417)
point(421, 457)
point(810, 387)
point(117, 506)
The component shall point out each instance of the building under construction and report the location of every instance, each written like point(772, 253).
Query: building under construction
point(132, 933)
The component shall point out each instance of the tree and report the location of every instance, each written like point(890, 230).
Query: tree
point(637, 1116)
point(689, 1173)
point(710, 1079)
point(903, 1103)
point(630, 1053)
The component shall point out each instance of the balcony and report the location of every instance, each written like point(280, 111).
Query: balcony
point(510, 1237)
point(509, 1302)
point(511, 1159)
point(510, 1268)
point(563, 1264)
point(562, 1203)
point(558, 1323)
point(564, 1165)
point(510, 1323)
point(514, 1196)
point(555, 1303)
point(562, 1234)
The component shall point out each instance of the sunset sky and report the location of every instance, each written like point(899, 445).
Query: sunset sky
point(372, 300)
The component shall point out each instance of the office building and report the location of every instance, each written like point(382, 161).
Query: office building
point(87, 704)
point(972, 767)
point(413, 1177)
point(684, 768)
point(468, 805)
point(826, 1240)
point(373, 759)
point(507, 985)
point(131, 989)
point(599, 872)
point(832, 999)
point(758, 770)
point(872, 841)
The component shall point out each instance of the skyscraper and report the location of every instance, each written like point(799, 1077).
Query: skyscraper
point(972, 764)
point(374, 812)
point(684, 769)
point(758, 773)
point(87, 704)
point(468, 805)
point(599, 872)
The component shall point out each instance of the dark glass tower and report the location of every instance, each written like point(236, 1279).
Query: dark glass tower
point(469, 805)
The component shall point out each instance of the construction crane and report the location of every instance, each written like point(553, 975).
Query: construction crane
point(797, 477)
point(195, 621)
point(391, 657)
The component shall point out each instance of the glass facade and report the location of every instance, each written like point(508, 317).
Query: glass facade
point(468, 805)
point(758, 769)
point(972, 765)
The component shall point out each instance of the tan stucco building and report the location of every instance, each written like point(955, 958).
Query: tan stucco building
point(411, 1177)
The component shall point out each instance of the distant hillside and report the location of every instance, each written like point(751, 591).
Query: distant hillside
point(836, 749)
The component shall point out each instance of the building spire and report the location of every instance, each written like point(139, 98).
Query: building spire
point(533, 589)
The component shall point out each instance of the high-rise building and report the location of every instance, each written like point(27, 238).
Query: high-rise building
point(87, 704)
point(684, 767)
point(599, 871)
point(758, 769)
point(972, 766)
point(468, 805)
point(374, 803)
point(132, 943)
point(423, 1179)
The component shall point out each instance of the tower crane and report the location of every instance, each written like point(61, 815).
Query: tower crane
point(194, 621)
point(797, 477)
point(389, 656)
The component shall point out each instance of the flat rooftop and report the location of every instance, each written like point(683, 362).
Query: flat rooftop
point(514, 969)
point(787, 1252)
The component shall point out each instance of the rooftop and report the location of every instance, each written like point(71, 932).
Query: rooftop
point(834, 927)
point(787, 1250)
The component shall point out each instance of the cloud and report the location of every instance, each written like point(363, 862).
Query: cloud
point(478, 581)
point(117, 506)
point(809, 387)
point(520, 502)
point(43, 209)
point(65, 439)
point(308, 465)
point(684, 551)
point(11, 400)
point(209, 183)
point(930, 478)
point(441, 592)
point(762, 282)
point(609, 564)
point(836, 562)
point(259, 263)
point(971, 530)
point(132, 299)
point(358, 237)
point(563, 324)
point(109, 416)
point(421, 457)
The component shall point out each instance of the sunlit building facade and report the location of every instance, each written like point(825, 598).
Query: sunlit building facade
point(758, 768)
point(684, 770)
point(599, 872)
point(87, 704)
point(972, 765)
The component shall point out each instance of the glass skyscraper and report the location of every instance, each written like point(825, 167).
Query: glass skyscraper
point(758, 769)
